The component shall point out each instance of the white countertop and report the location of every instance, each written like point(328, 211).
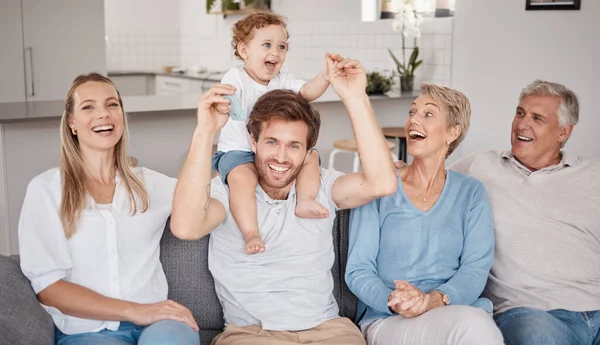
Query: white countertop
point(28, 111)
point(202, 76)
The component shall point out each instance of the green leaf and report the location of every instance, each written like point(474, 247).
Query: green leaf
point(413, 56)
point(415, 65)
point(401, 68)
point(209, 5)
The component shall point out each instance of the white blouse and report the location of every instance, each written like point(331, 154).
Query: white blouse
point(112, 252)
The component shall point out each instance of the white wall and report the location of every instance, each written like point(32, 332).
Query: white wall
point(319, 10)
point(499, 48)
point(141, 14)
point(142, 34)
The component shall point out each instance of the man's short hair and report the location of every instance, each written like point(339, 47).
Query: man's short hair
point(286, 105)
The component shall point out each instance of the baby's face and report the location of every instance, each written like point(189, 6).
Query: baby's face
point(265, 53)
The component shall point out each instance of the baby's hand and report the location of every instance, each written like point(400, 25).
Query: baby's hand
point(325, 71)
point(237, 113)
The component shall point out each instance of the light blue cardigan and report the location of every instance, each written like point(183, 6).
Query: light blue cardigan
point(450, 248)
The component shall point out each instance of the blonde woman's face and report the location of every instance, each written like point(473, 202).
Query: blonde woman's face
point(97, 116)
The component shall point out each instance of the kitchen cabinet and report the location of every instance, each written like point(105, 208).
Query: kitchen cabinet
point(172, 85)
point(166, 85)
point(201, 86)
point(134, 85)
point(46, 44)
point(12, 66)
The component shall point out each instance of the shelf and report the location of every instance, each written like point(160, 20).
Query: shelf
point(241, 12)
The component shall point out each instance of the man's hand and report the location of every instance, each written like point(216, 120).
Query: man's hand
point(407, 300)
point(324, 73)
point(147, 314)
point(347, 76)
point(213, 108)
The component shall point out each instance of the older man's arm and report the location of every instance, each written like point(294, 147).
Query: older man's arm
point(378, 177)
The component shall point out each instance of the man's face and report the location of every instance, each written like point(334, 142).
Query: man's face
point(536, 132)
point(280, 153)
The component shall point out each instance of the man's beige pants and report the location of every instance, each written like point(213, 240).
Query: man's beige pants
point(338, 331)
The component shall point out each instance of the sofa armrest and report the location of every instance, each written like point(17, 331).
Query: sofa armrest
point(22, 320)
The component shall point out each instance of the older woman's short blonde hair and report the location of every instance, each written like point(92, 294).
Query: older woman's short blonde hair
point(457, 108)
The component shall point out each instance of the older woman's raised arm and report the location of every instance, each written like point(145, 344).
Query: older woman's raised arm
point(361, 269)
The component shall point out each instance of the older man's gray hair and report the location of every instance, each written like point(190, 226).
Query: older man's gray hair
point(568, 109)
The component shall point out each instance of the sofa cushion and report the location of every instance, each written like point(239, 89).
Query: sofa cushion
point(190, 283)
point(22, 320)
point(347, 300)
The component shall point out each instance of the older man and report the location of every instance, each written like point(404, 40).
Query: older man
point(545, 279)
point(285, 295)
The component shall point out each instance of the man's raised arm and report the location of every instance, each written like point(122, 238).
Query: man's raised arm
point(378, 177)
point(195, 213)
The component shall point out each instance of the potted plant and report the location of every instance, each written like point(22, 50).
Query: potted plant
point(409, 26)
point(407, 70)
point(236, 5)
point(387, 9)
point(379, 83)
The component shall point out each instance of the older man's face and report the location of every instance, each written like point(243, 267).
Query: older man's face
point(536, 133)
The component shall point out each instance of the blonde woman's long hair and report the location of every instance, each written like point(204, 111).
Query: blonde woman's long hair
point(74, 190)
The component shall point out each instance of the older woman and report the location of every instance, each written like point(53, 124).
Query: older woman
point(89, 232)
point(419, 259)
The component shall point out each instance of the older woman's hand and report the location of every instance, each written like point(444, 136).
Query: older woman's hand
point(399, 165)
point(407, 300)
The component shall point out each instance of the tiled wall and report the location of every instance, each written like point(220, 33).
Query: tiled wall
point(142, 49)
point(366, 41)
point(204, 41)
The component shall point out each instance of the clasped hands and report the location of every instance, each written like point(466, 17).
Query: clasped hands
point(407, 300)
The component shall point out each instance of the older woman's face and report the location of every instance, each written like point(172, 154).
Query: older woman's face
point(427, 131)
point(97, 116)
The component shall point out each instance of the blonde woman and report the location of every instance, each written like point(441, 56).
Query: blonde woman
point(419, 259)
point(89, 232)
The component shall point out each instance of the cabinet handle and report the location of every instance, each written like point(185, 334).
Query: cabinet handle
point(172, 84)
point(31, 68)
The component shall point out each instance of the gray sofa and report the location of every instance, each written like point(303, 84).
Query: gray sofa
point(24, 322)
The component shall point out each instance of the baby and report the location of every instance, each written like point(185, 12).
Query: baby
point(261, 41)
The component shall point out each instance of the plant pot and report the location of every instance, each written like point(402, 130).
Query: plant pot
point(406, 83)
point(387, 10)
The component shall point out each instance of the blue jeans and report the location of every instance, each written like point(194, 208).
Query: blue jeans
point(165, 332)
point(224, 162)
point(529, 326)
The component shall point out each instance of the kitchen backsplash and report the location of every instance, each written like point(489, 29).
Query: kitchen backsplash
point(366, 41)
point(142, 48)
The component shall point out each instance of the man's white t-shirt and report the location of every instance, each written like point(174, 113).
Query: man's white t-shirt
point(234, 135)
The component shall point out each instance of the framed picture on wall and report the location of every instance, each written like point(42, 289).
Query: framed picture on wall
point(552, 4)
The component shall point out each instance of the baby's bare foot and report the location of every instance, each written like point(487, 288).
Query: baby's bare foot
point(310, 209)
point(254, 244)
